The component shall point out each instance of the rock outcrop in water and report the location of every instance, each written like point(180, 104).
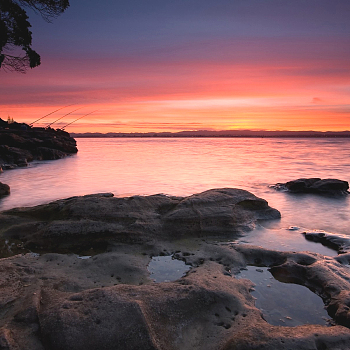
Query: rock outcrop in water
point(4, 189)
point(333, 187)
point(21, 144)
point(96, 220)
point(338, 242)
point(56, 300)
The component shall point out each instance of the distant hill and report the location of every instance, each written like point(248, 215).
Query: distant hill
point(222, 133)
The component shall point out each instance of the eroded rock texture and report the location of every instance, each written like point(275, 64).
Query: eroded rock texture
point(79, 223)
point(56, 300)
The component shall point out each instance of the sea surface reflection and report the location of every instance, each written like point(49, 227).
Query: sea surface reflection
point(183, 166)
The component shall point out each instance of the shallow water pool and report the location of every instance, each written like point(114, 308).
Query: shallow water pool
point(284, 304)
point(166, 269)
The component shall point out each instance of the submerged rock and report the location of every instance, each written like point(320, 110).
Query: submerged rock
point(339, 242)
point(4, 189)
point(315, 185)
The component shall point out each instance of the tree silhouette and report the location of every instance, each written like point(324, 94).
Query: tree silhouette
point(16, 53)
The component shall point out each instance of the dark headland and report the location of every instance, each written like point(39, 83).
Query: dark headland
point(20, 144)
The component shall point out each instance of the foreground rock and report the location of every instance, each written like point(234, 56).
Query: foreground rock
point(4, 189)
point(57, 301)
point(97, 221)
point(20, 146)
point(328, 277)
point(315, 185)
point(61, 302)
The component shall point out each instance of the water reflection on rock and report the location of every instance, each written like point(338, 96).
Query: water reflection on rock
point(284, 304)
point(283, 239)
point(166, 269)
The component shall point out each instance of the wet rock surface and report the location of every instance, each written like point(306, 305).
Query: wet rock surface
point(106, 299)
point(19, 146)
point(338, 242)
point(333, 187)
point(4, 189)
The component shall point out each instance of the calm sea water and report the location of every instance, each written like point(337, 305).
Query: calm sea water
point(186, 166)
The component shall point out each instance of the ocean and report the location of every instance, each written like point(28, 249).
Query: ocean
point(184, 166)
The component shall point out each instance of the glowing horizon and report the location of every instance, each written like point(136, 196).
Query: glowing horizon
point(175, 67)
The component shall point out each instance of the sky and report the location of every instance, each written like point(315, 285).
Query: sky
point(154, 65)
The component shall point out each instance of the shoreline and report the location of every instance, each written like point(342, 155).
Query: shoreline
point(84, 263)
point(21, 144)
point(77, 135)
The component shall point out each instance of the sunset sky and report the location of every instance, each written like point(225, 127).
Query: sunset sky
point(188, 65)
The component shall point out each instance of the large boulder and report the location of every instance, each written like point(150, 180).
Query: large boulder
point(218, 211)
point(97, 220)
point(315, 185)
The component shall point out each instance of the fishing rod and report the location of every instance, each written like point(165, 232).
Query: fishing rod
point(78, 119)
point(63, 117)
point(31, 124)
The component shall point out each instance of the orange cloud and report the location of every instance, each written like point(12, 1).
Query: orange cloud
point(154, 95)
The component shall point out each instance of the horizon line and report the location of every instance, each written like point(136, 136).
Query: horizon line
point(218, 133)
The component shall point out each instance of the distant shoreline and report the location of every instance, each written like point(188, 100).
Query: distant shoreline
point(220, 134)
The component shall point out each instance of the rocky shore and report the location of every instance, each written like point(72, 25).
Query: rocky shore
point(4, 189)
point(328, 187)
point(74, 276)
point(21, 144)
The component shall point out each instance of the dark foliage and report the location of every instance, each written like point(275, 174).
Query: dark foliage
point(16, 53)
